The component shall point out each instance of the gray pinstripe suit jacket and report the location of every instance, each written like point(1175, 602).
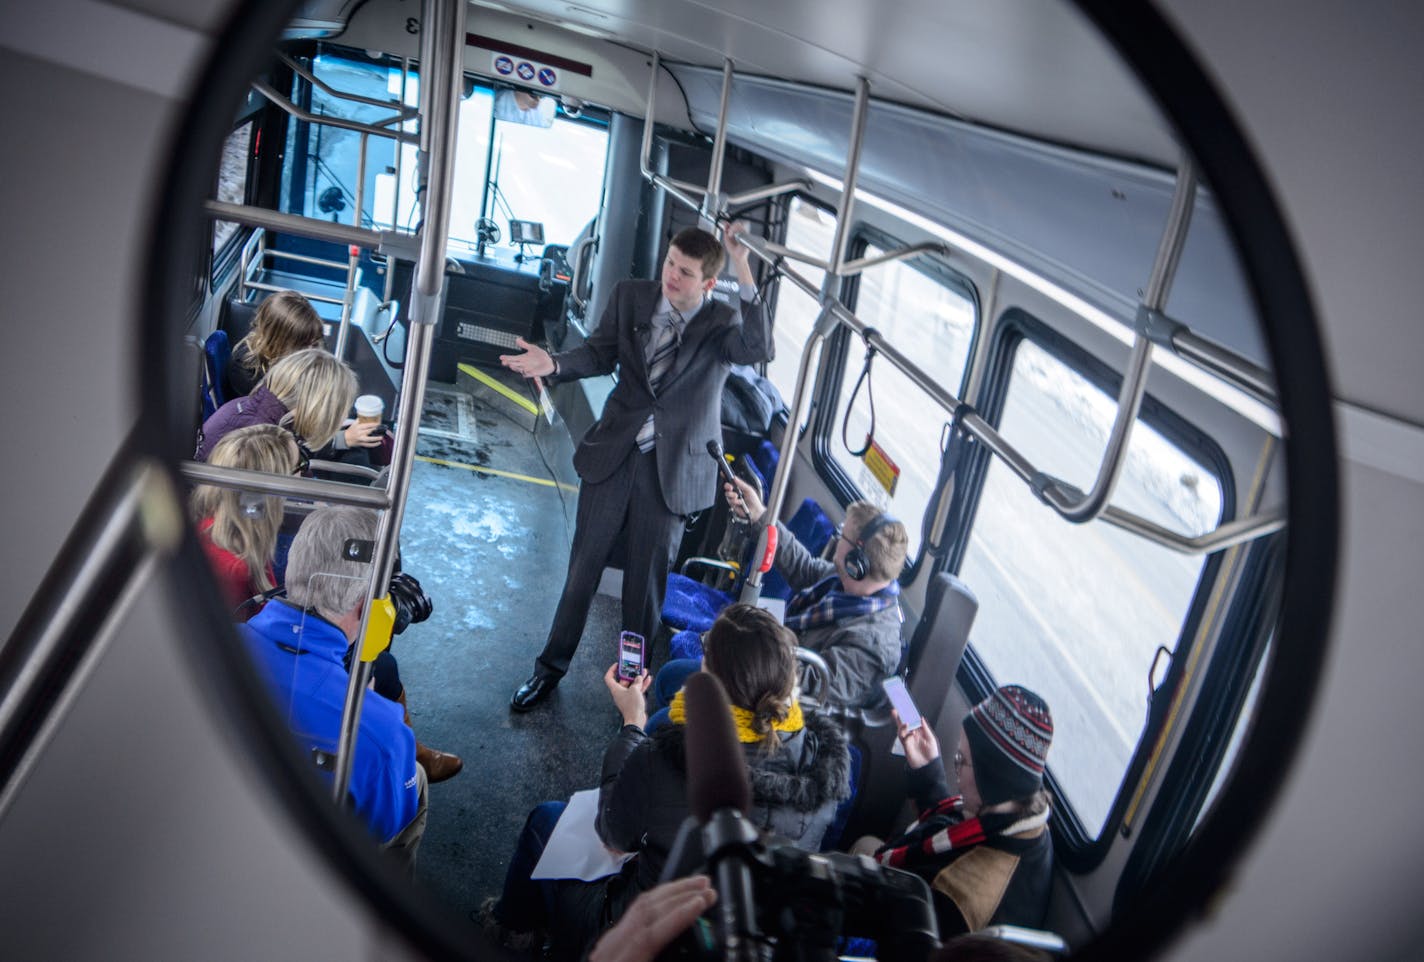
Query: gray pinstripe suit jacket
point(687, 412)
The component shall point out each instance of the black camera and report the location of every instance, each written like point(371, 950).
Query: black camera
point(777, 902)
point(411, 602)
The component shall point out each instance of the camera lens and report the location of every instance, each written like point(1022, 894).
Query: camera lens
point(411, 602)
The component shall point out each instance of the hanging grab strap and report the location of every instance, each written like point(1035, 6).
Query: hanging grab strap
point(870, 352)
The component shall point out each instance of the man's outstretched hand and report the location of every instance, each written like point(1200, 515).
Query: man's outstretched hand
point(534, 362)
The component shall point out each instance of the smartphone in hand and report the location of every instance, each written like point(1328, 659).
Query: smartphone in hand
point(900, 698)
point(630, 655)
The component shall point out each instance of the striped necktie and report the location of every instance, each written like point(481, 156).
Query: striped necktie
point(662, 351)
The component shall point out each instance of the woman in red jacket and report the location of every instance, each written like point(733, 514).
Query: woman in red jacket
point(239, 530)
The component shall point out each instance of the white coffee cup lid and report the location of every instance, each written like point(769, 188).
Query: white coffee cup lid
point(368, 404)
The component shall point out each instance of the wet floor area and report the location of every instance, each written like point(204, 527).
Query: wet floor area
point(487, 530)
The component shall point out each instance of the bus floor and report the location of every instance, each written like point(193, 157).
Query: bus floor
point(491, 550)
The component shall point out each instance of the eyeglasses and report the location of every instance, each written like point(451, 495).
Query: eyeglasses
point(960, 762)
point(841, 536)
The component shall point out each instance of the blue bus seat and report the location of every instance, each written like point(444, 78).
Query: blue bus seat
point(814, 530)
point(688, 604)
point(217, 351)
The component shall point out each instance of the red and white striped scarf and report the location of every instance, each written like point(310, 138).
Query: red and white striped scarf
point(942, 828)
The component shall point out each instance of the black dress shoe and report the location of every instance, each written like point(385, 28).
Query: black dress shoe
point(532, 692)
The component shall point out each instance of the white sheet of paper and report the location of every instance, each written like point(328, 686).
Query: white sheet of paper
point(776, 606)
point(575, 850)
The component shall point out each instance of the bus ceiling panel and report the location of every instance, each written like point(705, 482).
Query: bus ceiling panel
point(611, 75)
point(1088, 223)
point(1016, 64)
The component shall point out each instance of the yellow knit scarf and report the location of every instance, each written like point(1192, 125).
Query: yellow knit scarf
point(793, 722)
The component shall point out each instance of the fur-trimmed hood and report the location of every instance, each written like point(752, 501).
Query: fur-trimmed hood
point(810, 769)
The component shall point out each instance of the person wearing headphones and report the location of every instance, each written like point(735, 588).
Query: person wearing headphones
point(847, 610)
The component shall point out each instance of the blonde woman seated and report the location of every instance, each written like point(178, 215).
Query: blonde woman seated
point(238, 530)
point(308, 393)
point(285, 323)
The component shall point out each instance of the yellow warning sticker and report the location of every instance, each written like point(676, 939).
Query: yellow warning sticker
point(884, 470)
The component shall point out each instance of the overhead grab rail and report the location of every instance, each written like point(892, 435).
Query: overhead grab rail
point(1067, 501)
point(1225, 364)
point(286, 486)
point(850, 268)
point(404, 111)
point(1225, 535)
point(392, 243)
point(713, 202)
point(378, 129)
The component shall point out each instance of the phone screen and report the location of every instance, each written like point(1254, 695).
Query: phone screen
point(630, 655)
point(900, 698)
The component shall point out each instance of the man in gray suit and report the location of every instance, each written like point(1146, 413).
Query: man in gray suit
point(644, 463)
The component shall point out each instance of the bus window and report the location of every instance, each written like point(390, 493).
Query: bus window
point(320, 176)
point(809, 229)
point(553, 176)
point(471, 154)
point(1076, 612)
point(934, 324)
point(232, 180)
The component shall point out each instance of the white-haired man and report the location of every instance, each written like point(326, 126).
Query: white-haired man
point(299, 645)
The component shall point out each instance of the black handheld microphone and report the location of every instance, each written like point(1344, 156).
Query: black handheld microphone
point(719, 795)
point(715, 449)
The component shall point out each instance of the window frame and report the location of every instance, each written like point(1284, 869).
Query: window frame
point(220, 262)
point(1079, 851)
point(783, 212)
point(825, 418)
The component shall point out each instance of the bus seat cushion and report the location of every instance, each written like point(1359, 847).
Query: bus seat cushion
point(691, 604)
point(685, 644)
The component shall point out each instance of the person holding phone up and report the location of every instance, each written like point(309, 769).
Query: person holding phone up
point(798, 767)
point(986, 852)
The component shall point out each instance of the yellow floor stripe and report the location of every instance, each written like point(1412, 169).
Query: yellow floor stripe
point(494, 385)
point(496, 471)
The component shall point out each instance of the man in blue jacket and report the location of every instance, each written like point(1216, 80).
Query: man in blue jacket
point(299, 646)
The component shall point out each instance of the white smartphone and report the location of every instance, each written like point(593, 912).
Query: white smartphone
point(900, 698)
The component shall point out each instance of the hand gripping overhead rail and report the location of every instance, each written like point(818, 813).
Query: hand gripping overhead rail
point(1152, 327)
point(442, 45)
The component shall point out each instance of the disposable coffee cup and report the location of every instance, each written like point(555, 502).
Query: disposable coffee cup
point(369, 409)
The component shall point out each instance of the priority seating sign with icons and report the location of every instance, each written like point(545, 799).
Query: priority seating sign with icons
point(525, 71)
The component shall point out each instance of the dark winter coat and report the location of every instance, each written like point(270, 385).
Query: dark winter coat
point(643, 802)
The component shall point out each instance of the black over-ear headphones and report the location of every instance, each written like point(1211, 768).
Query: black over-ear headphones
point(857, 565)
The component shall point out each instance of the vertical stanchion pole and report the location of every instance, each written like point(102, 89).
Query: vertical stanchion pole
point(852, 174)
point(442, 56)
point(712, 200)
